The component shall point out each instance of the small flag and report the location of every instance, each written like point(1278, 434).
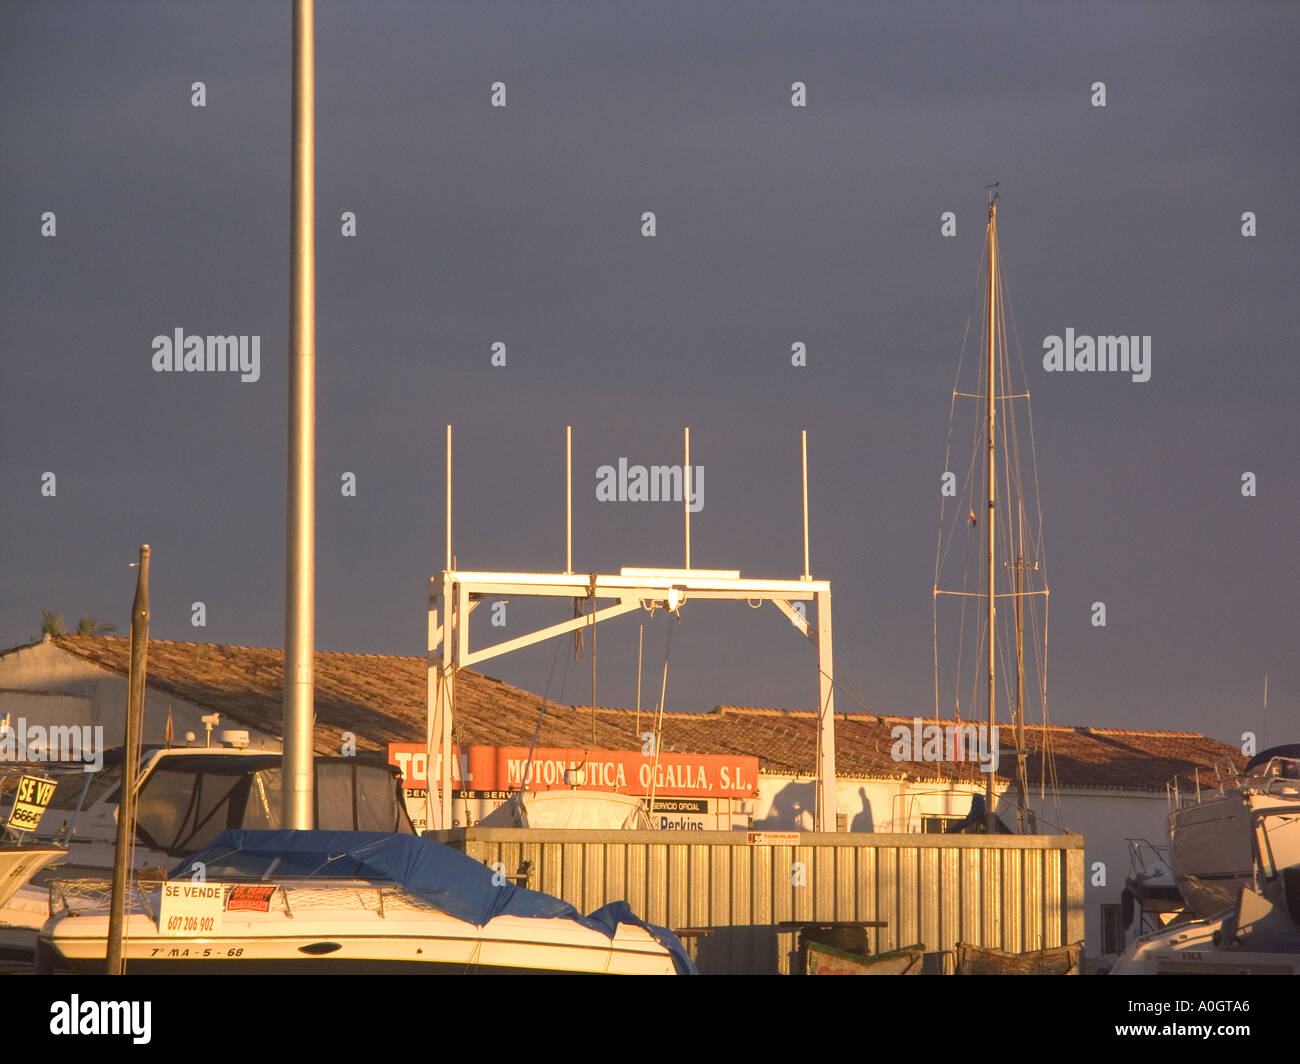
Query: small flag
point(169, 732)
point(973, 522)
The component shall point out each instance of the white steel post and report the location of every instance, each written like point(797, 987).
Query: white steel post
point(827, 801)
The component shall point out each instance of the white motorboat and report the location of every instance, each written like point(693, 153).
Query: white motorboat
point(1210, 838)
point(1258, 935)
point(187, 796)
point(356, 902)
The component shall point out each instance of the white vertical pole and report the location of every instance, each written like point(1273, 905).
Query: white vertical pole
point(459, 650)
point(827, 800)
point(568, 499)
point(448, 565)
point(806, 574)
point(433, 693)
point(451, 621)
point(686, 490)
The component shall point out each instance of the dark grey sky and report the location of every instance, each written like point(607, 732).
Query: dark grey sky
point(775, 224)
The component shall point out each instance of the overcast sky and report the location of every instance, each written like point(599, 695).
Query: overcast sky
point(775, 224)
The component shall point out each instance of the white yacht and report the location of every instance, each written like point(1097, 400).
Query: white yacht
point(1258, 935)
point(355, 902)
point(1210, 834)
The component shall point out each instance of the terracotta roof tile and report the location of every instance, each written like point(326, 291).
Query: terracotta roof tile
point(381, 698)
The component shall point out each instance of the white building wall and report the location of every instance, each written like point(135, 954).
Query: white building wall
point(45, 685)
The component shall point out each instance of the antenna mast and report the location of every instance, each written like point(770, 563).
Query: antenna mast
point(992, 481)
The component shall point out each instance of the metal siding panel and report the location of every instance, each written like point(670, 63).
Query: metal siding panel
point(930, 887)
point(1037, 863)
point(639, 889)
point(972, 896)
point(846, 898)
point(763, 908)
point(909, 895)
point(740, 909)
point(593, 877)
point(938, 891)
point(1012, 896)
point(887, 895)
point(657, 877)
point(864, 875)
point(990, 901)
point(679, 886)
point(803, 897)
point(551, 868)
point(1053, 920)
point(614, 861)
point(698, 909)
point(822, 881)
point(717, 859)
point(951, 899)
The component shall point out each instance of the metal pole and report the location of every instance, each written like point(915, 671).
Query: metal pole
point(827, 803)
point(686, 491)
point(992, 474)
point(640, 640)
point(131, 765)
point(568, 498)
point(448, 565)
point(300, 577)
point(806, 574)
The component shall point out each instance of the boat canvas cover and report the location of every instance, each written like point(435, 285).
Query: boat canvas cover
point(445, 878)
point(591, 810)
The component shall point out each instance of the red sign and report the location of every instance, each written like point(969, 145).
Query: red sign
point(250, 899)
point(507, 768)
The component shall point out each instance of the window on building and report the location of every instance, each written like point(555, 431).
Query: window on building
point(1112, 929)
point(935, 824)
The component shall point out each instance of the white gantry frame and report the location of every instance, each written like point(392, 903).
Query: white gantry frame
point(453, 596)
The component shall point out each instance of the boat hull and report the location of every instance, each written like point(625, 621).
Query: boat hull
point(345, 941)
point(1211, 852)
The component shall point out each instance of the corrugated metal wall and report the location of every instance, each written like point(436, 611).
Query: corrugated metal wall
point(1011, 892)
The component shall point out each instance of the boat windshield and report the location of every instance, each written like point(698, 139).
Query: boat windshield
point(185, 803)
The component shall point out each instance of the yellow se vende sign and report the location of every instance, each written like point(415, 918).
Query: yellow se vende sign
point(33, 795)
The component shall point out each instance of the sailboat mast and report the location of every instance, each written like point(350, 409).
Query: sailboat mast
point(992, 482)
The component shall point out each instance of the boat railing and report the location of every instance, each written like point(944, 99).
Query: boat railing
point(88, 896)
point(1280, 775)
point(1183, 791)
point(1225, 770)
point(1145, 858)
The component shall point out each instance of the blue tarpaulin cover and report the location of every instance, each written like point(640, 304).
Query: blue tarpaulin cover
point(445, 878)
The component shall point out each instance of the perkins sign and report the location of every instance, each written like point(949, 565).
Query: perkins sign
point(476, 769)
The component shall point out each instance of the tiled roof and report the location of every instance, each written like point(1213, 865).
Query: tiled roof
point(382, 698)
